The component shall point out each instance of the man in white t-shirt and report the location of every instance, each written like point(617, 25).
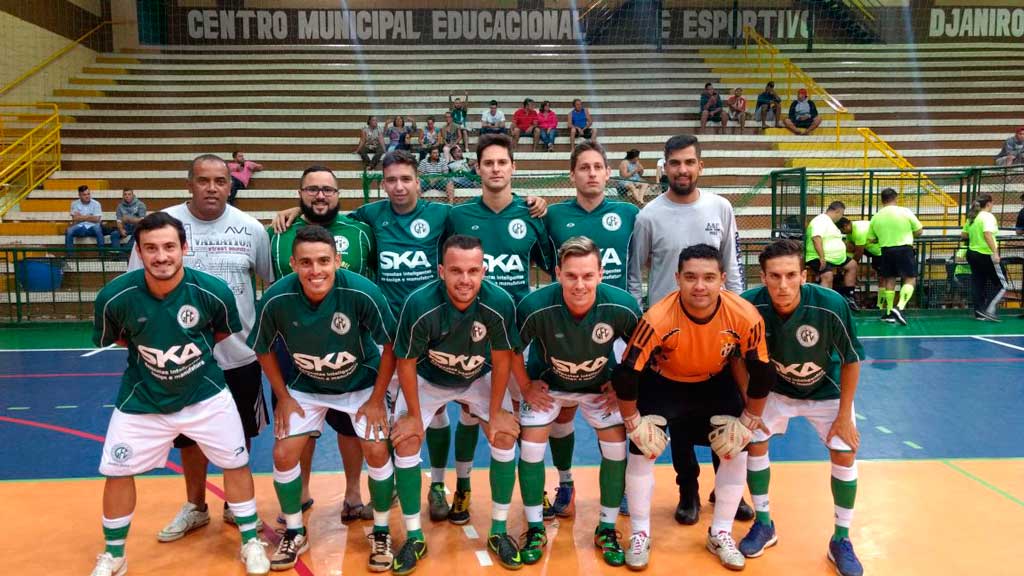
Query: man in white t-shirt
point(493, 120)
point(233, 246)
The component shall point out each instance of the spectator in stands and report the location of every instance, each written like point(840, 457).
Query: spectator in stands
point(128, 213)
point(451, 135)
point(397, 133)
point(371, 143)
point(630, 173)
point(493, 120)
point(1013, 150)
point(524, 123)
point(737, 106)
point(430, 138)
point(460, 111)
point(711, 107)
point(429, 169)
point(87, 220)
point(547, 121)
point(241, 174)
point(463, 171)
point(580, 124)
point(659, 175)
point(803, 114)
point(769, 107)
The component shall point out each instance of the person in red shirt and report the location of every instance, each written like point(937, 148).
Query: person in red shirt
point(241, 173)
point(524, 123)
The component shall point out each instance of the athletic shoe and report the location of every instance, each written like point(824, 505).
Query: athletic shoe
point(744, 513)
point(188, 519)
point(549, 512)
point(985, 316)
point(438, 502)
point(305, 506)
point(254, 556)
point(381, 556)
point(533, 545)
point(607, 539)
point(408, 555)
point(107, 565)
point(504, 547)
point(897, 315)
point(624, 506)
point(853, 303)
point(291, 546)
point(761, 536)
point(459, 513)
point(840, 552)
point(723, 546)
point(565, 500)
point(688, 510)
point(638, 555)
point(229, 515)
point(889, 317)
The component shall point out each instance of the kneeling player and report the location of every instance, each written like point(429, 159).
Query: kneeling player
point(330, 320)
point(813, 345)
point(572, 325)
point(169, 318)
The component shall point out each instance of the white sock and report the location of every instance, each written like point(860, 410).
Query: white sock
point(730, 480)
point(639, 488)
point(756, 464)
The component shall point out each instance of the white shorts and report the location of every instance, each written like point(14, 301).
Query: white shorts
point(138, 443)
point(820, 413)
point(316, 406)
point(590, 407)
point(477, 398)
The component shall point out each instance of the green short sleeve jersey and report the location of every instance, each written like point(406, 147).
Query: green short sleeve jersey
point(408, 245)
point(610, 226)
point(170, 341)
point(453, 347)
point(353, 239)
point(831, 240)
point(984, 222)
point(810, 346)
point(334, 343)
point(511, 239)
point(894, 226)
point(859, 237)
point(573, 355)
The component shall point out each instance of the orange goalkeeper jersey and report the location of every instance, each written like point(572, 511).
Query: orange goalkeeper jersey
point(680, 348)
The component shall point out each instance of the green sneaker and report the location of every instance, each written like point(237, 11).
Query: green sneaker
point(504, 547)
point(410, 553)
point(459, 514)
point(607, 539)
point(438, 502)
point(533, 545)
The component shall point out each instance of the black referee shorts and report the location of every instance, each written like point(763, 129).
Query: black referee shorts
point(246, 386)
point(898, 262)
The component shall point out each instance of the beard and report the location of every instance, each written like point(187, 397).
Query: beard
point(682, 190)
point(314, 218)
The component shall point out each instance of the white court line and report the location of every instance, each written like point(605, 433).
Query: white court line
point(483, 558)
point(15, 350)
point(98, 350)
point(898, 336)
point(983, 339)
point(471, 532)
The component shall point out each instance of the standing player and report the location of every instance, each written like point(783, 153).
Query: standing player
point(677, 370)
point(894, 228)
point(168, 317)
point(573, 323)
point(330, 321)
point(233, 246)
point(813, 345)
point(456, 342)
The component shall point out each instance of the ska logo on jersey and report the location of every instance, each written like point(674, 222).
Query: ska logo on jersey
point(611, 222)
point(419, 228)
point(602, 333)
point(335, 365)
point(340, 323)
point(729, 341)
point(799, 374)
point(121, 453)
point(407, 259)
point(341, 244)
point(458, 364)
point(517, 229)
point(478, 332)
point(188, 316)
point(807, 335)
point(578, 372)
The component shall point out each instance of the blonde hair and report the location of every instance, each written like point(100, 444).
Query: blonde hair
point(578, 247)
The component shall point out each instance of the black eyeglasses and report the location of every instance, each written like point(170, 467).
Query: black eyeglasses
point(326, 190)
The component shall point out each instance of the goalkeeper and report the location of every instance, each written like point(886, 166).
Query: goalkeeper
point(678, 370)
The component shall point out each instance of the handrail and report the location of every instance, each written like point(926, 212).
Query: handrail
point(35, 69)
point(30, 159)
point(763, 45)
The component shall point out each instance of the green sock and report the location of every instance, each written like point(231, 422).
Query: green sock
point(503, 482)
point(561, 452)
point(758, 481)
point(415, 534)
point(612, 482)
point(410, 484)
point(844, 493)
point(115, 538)
point(438, 440)
point(466, 437)
point(381, 492)
point(289, 495)
point(890, 296)
point(531, 482)
point(906, 293)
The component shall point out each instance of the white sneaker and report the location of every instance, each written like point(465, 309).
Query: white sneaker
point(639, 552)
point(723, 546)
point(107, 565)
point(291, 546)
point(254, 556)
point(188, 519)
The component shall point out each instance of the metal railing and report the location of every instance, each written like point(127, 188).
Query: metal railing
point(31, 158)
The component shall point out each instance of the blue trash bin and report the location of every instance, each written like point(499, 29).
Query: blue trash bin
point(40, 275)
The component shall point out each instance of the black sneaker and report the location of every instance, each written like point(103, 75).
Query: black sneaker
point(410, 553)
point(292, 545)
point(505, 548)
point(898, 316)
point(986, 316)
point(888, 317)
point(381, 555)
point(688, 510)
point(459, 513)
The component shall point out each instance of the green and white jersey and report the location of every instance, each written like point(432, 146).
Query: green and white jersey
point(408, 245)
point(574, 355)
point(334, 343)
point(831, 240)
point(859, 237)
point(610, 226)
point(894, 226)
point(170, 341)
point(511, 239)
point(453, 347)
point(810, 346)
point(353, 240)
point(983, 222)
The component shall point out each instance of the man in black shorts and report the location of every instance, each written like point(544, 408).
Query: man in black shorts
point(894, 228)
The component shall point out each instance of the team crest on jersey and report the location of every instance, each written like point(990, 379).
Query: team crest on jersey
point(730, 342)
point(570, 225)
point(121, 453)
point(341, 244)
point(517, 229)
point(807, 335)
point(602, 333)
point(340, 323)
point(611, 222)
point(478, 332)
point(188, 316)
point(419, 228)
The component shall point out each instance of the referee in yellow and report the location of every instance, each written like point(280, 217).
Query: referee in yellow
point(894, 228)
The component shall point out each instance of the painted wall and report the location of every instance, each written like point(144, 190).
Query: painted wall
point(25, 45)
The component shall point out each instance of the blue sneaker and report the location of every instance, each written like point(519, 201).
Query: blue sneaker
point(761, 536)
point(565, 500)
point(840, 552)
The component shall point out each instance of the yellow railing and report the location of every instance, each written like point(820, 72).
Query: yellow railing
point(46, 62)
point(32, 156)
point(765, 50)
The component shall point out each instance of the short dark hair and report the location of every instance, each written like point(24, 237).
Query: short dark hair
point(527, 102)
point(235, 153)
point(205, 158)
point(399, 157)
point(82, 188)
point(487, 140)
point(844, 221)
point(313, 169)
point(155, 221)
point(780, 248)
point(681, 142)
point(700, 252)
point(632, 153)
point(586, 146)
point(888, 195)
point(707, 84)
point(837, 205)
point(370, 117)
point(312, 234)
point(462, 242)
point(770, 85)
